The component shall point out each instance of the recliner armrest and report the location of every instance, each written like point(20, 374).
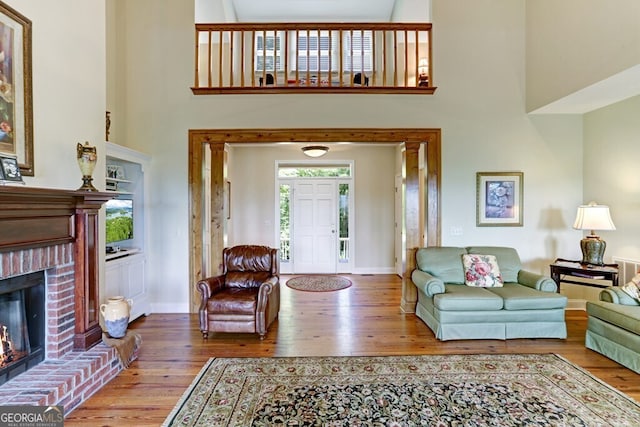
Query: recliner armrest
point(536, 281)
point(208, 287)
point(427, 283)
point(266, 288)
point(617, 296)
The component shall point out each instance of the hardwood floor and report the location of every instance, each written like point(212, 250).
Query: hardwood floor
point(364, 319)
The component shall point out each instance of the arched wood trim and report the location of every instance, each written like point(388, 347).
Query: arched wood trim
point(413, 138)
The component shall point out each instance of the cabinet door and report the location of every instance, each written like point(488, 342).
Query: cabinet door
point(113, 277)
point(136, 277)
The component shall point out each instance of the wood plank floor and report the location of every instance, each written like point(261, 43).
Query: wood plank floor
point(364, 319)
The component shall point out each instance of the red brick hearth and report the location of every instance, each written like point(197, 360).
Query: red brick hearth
point(55, 232)
point(66, 377)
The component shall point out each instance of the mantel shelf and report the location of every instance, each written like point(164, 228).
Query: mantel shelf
point(35, 217)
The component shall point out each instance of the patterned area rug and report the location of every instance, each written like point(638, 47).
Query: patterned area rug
point(439, 390)
point(318, 283)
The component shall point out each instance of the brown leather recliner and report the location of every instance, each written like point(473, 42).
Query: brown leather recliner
point(246, 296)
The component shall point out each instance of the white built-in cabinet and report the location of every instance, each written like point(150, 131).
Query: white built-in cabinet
point(126, 276)
point(125, 270)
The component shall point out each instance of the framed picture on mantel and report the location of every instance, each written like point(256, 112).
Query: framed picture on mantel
point(16, 108)
point(499, 199)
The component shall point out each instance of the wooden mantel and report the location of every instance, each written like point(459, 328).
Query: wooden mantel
point(37, 217)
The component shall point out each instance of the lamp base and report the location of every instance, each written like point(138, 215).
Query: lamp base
point(86, 184)
point(592, 250)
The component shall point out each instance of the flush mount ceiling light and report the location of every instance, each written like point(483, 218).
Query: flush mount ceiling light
point(315, 150)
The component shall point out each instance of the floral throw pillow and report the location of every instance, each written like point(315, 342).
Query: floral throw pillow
point(633, 288)
point(481, 271)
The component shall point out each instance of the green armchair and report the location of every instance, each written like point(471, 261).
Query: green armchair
point(613, 327)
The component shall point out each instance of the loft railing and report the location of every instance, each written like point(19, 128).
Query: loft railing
point(313, 57)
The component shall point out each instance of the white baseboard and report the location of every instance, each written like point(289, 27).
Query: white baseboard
point(381, 270)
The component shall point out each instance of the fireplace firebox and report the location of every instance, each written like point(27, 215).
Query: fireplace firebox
point(22, 324)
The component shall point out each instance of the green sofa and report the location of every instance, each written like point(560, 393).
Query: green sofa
point(613, 328)
point(527, 306)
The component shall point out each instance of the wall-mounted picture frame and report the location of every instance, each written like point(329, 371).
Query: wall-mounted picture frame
point(16, 105)
point(10, 169)
point(499, 199)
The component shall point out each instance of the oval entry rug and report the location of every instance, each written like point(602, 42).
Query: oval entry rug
point(318, 283)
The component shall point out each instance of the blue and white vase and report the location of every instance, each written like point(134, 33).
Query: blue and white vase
point(116, 315)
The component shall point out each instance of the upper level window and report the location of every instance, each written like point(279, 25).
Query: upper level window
point(358, 55)
point(268, 51)
point(315, 51)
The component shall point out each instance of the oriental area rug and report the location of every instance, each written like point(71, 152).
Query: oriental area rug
point(434, 390)
point(318, 283)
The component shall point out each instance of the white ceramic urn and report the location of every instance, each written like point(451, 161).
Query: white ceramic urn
point(116, 315)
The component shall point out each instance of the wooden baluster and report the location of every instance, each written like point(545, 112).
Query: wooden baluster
point(373, 58)
point(231, 58)
point(351, 56)
point(406, 58)
point(308, 71)
point(220, 48)
point(362, 79)
point(395, 58)
point(210, 60)
point(341, 57)
point(417, 58)
point(264, 57)
point(286, 58)
point(275, 58)
point(297, 57)
point(242, 59)
point(319, 58)
point(384, 58)
point(253, 58)
point(330, 47)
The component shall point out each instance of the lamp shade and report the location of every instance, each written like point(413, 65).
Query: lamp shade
point(315, 150)
point(593, 217)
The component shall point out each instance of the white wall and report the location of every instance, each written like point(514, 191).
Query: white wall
point(69, 87)
point(411, 11)
point(611, 175)
point(572, 44)
point(480, 106)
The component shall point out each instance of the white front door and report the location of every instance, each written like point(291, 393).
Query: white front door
point(314, 226)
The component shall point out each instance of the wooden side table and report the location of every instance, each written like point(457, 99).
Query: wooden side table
point(568, 271)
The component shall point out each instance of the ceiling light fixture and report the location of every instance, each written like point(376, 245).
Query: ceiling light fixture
point(315, 150)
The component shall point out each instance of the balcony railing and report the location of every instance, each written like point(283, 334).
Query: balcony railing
point(313, 57)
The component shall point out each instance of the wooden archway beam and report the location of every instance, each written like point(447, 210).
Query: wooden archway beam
point(416, 213)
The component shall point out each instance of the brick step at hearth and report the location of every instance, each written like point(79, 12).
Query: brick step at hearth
point(67, 381)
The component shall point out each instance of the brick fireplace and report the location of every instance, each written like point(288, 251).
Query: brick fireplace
point(55, 232)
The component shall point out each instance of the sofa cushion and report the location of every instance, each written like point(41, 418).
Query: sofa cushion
point(508, 260)
point(464, 298)
point(481, 271)
point(624, 316)
point(519, 297)
point(633, 287)
point(442, 262)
